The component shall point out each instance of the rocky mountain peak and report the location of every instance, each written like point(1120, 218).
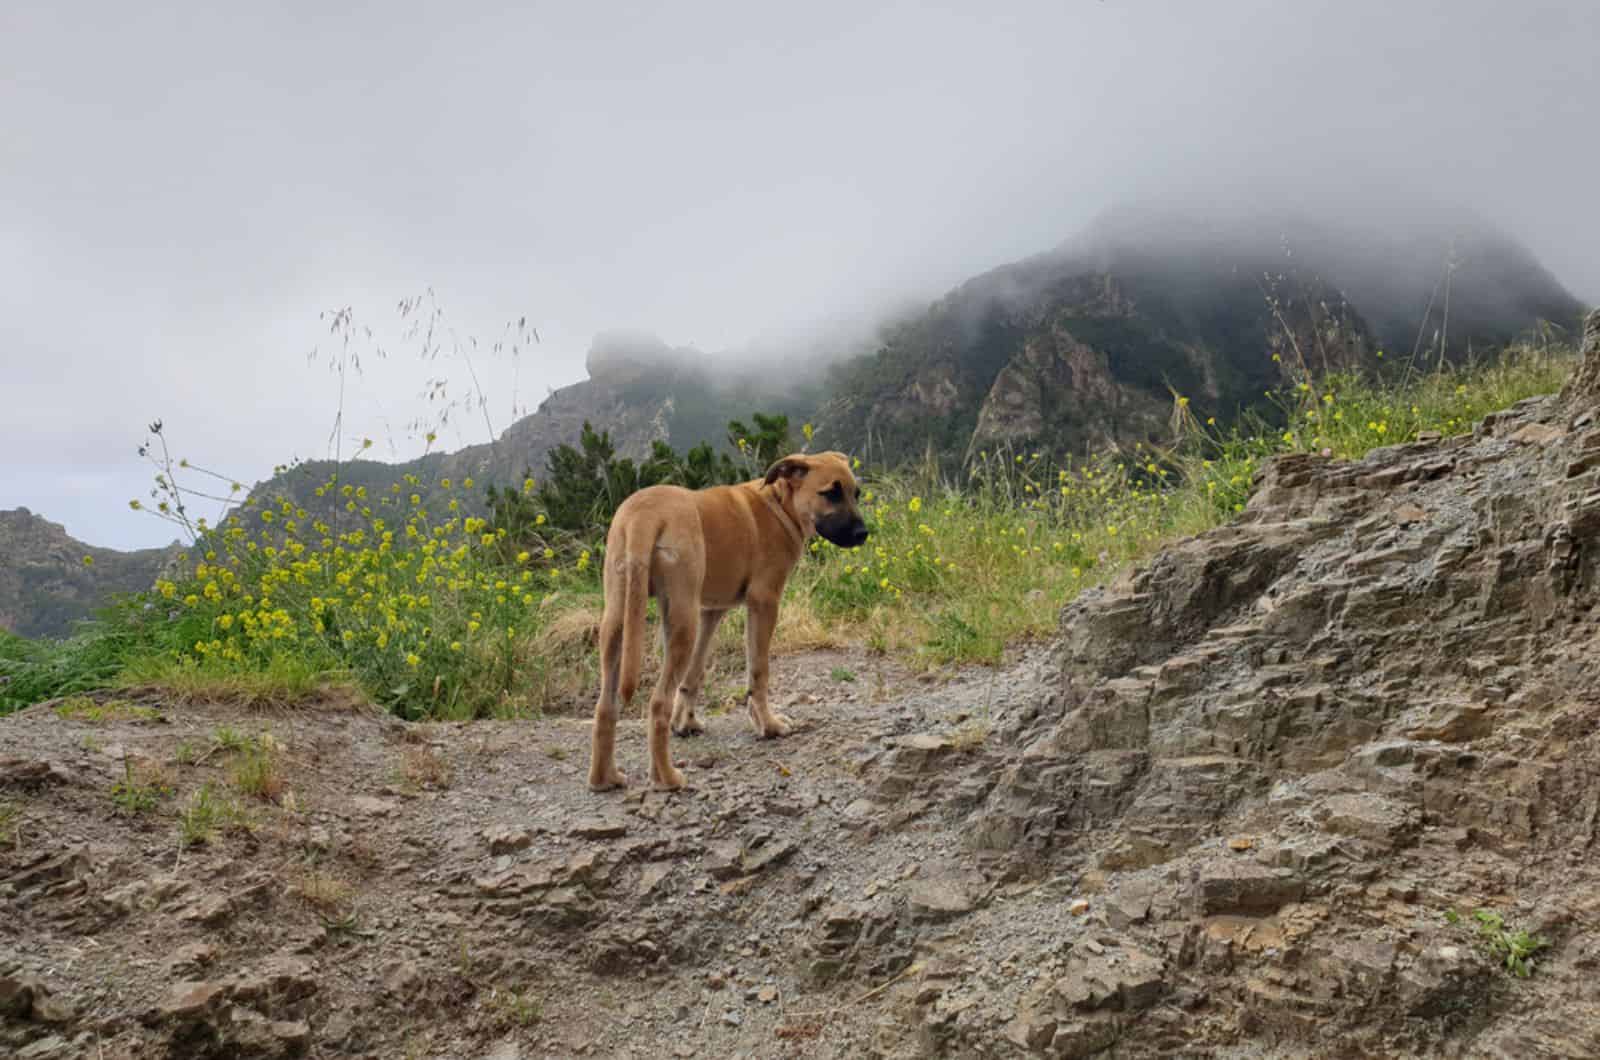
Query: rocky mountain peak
point(624, 357)
point(45, 586)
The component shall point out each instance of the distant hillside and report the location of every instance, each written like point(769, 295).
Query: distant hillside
point(1083, 346)
point(45, 587)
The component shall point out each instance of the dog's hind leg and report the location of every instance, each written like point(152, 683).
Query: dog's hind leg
point(603, 771)
point(684, 723)
point(677, 642)
point(761, 616)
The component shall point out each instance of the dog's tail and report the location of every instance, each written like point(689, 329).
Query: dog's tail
point(628, 583)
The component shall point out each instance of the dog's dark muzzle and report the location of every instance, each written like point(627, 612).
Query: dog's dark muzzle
point(846, 533)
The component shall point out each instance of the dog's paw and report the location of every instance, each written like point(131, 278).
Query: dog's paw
point(608, 780)
point(687, 725)
point(672, 780)
point(778, 725)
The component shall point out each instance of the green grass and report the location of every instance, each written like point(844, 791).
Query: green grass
point(206, 813)
point(228, 738)
point(10, 823)
point(957, 571)
point(34, 671)
point(82, 708)
point(278, 680)
point(140, 790)
point(255, 771)
point(253, 762)
point(433, 614)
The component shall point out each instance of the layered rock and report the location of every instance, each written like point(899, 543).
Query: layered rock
point(1282, 766)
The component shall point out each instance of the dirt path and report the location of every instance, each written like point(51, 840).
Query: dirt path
point(454, 890)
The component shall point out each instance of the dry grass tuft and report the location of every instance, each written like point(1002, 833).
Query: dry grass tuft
point(512, 1008)
point(282, 682)
point(424, 767)
point(256, 770)
point(328, 894)
point(10, 824)
point(970, 737)
point(576, 629)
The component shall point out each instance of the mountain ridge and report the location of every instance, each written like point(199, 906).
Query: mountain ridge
point(1075, 348)
point(46, 588)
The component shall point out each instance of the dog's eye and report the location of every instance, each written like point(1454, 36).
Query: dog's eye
point(834, 492)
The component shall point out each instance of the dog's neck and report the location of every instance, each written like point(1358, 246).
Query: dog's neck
point(790, 524)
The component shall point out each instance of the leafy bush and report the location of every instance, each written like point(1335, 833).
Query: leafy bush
point(585, 484)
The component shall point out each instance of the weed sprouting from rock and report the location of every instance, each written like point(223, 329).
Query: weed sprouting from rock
point(10, 824)
point(141, 788)
point(1512, 948)
point(513, 1008)
point(255, 770)
point(205, 814)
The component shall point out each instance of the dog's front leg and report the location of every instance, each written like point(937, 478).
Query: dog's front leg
point(761, 617)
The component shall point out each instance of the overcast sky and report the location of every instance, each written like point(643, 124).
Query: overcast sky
point(184, 187)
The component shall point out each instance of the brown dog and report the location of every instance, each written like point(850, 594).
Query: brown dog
point(702, 553)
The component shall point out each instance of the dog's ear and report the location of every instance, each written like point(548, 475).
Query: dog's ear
point(788, 467)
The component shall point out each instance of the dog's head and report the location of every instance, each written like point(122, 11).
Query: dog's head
point(821, 492)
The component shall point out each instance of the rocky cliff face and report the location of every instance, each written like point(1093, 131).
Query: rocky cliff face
point(44, 585)
point(1271, 762)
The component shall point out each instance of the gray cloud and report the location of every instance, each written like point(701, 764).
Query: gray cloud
point(184, 187)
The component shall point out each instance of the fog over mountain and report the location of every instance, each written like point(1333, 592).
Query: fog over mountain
point(185, 187)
